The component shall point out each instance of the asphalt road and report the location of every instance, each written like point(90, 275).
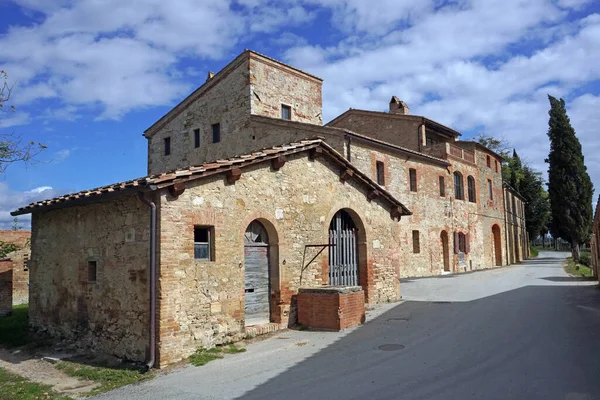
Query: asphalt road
point(520, 332)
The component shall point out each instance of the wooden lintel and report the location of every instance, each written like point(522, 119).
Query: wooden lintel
point(278, 162)
point(396, 212)
point(316, 152)
point(233, 175)
point(372, 194)
point(346, 174)
point(177, 189)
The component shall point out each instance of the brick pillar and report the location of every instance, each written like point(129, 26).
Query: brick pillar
point(6, 287)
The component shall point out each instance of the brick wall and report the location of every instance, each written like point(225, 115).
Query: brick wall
point(20, 274)
point(332, 309)
point(6, 287)
point(110, 314)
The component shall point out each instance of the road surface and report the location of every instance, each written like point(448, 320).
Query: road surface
point(521, 332)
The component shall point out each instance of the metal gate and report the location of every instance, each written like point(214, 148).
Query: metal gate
point(256, 262)
point(343, 254)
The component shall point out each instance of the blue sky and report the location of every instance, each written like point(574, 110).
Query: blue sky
point(89, 76)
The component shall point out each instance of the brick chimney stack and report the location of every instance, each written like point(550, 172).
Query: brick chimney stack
point(397, 106)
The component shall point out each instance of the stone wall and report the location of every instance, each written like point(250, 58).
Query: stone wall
point(202, 303)
point(516, 233)
point(433, 213)
point(109, 313)
point(20, 274)
point(273, 84)
point(6, 287)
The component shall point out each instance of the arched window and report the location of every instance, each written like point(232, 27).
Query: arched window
point(459, 189)
point(471, 189)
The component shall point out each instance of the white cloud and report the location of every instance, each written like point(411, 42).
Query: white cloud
point(14, 119)
point(10, 200)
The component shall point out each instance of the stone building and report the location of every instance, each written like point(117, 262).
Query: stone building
point(288, 204)
point(517, 239)
point(14, 271)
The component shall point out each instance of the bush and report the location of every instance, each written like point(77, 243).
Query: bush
point(533, 251)
point(585, 258)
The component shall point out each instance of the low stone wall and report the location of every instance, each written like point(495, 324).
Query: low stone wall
point(6, 287)
point(331, 308)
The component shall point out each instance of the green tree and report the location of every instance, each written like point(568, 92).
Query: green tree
point(537, 206)
point(569, 184)
point(12, 147)
point(516, 171)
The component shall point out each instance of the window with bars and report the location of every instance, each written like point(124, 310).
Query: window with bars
point(412, 173)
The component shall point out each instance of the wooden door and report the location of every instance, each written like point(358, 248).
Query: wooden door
point(256, 275)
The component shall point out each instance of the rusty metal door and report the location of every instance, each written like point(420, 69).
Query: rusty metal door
point(256, 276)
point(343, 254)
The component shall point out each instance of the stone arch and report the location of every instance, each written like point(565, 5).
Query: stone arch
point(266, 221)
point(364, 279)
point(497, 244)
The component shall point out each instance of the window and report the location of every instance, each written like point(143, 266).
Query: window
point(286, 112)
point(92, 271)
point(471, 189)
point(488, 161)
point(167, 146)
point(430, 141)
point(380, 173)
point(459, 189)
point(416, 242)
point(216, 132)
point(196, 138)
point(462, 242)
point(413, 179)
point(203, 243)
point(497, 169)
point(490, 189)
point(442, 186)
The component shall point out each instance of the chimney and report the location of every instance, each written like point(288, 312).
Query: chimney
point(210, 76)
point(397, 106)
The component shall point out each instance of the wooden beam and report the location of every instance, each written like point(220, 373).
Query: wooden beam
point(316, 152)
point(233, 175)
point(346, 174)
point(372, 194)
point(177, 189)
point(396, 212)
point(278, 162)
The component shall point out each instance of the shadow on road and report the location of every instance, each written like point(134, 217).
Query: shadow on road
point(535, 342)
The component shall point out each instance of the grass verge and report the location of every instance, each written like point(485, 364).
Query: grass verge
point(534, 252)
point(573, 268)
point(203, 356)
point(14, 329)
point(107, 378)
point(14, 387)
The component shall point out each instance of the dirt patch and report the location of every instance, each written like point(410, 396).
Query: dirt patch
point(35, 369)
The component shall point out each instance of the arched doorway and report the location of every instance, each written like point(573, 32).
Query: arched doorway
point(343, 254)
point(256, 274)
point(497, 248)
point(445, 250)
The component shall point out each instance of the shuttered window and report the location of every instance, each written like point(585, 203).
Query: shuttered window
point(471, 189)
point(412, 174)
point(459, 189)
point(416, 242)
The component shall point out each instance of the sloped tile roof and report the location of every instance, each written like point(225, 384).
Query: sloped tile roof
point(154, 182)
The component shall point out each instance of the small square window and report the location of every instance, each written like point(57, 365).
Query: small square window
point(196, 138)
point(92, 271)
point(416, 242)
point(413, 179)
point(216, 133)
point(380, 173)
point(167, 146)
point(286, 112)
point(442, 187)
point(203, 243)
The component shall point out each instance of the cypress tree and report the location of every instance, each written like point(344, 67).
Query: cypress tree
point(569, 185)
point(516, 171)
